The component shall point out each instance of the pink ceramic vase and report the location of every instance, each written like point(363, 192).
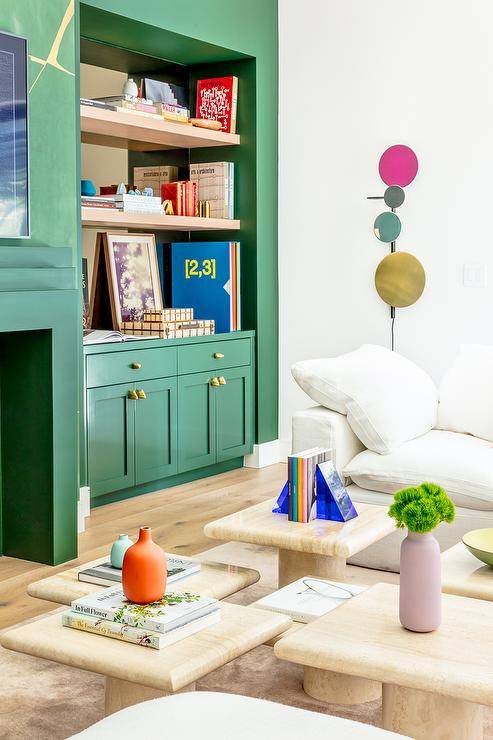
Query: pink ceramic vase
point(420, 593)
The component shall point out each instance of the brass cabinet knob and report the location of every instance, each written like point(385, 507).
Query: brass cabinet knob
point(218, 355)
point(214, 382)
point(136, 365)
point(222, 380)
point(141, 393)
point(133, 395)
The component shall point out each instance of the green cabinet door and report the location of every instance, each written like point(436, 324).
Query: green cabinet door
point(234, 414)
point(196, 422)
point(156, 430)
point(110, 442)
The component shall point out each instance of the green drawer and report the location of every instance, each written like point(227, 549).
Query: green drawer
point(116, 367)
point(195, 358)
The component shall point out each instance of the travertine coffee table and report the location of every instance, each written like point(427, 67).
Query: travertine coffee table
point(214, 579)
point(318, 548)
point(434, 683)
point(465, 575)
point(134, 673)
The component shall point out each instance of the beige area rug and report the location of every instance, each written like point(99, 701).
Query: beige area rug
point(40, 700)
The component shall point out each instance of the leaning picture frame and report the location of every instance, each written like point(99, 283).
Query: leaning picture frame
point(14, 138)
point(131, 276)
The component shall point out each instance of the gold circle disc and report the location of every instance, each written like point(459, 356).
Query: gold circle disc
point(400, 279)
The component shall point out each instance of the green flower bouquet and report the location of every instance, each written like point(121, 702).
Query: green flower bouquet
point(423, 508)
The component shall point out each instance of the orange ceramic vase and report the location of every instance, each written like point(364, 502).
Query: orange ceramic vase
point(144, 570)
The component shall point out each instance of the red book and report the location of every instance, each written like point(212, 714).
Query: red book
point(172, 191)
point(217, 101)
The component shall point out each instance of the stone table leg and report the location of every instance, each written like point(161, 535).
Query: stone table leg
point(294, 565)
point(423, 715)
point(120, 694)
point(338, 688)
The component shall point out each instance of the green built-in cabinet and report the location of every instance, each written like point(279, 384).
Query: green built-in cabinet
point(158, 408)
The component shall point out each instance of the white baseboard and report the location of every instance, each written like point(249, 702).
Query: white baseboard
point(263, 455)
point(83, 507)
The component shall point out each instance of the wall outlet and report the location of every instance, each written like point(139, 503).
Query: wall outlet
point(475, 275)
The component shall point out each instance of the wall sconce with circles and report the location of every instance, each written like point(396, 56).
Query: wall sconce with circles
point(400, 277)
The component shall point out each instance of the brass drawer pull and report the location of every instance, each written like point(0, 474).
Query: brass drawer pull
point(222, 380)
point(141, 393)
point(133, 395)
point(214, 382)
point(136, 365)
point(218, 355)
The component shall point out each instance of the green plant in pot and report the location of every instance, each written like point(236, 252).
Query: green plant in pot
point(421, 509)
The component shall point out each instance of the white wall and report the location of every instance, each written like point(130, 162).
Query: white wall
point(356, 77)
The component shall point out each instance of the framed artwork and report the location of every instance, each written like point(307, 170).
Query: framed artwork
point(125, 279)
point(14, 168)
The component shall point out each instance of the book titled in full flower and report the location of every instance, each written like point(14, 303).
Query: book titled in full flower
point(172, 611)
point(137, 635)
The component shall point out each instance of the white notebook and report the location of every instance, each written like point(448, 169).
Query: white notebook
point(309, 598)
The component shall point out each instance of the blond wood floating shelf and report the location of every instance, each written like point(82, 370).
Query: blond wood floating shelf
point(95, 218)
point(138, 133)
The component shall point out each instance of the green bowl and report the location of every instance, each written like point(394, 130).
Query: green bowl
point(479, 542)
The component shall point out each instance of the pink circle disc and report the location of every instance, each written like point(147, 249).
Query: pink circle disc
point(398, 165)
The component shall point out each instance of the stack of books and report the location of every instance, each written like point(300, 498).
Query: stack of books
point(205, 276)
point(127, 202)
point(154, 176)
point(169, 324)
point(301, 482)
point(106, 574)
point(215, 185)
point(180, 198)
point(174, 617)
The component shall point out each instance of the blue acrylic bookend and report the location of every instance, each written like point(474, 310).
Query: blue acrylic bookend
point(282, 504)
point(332, 499)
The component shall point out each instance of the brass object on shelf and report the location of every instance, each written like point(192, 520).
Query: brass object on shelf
point(141, 393)
point(222, 380)
point(136, 365)
point(215, 382)
point(133, 395)
point(400, 279)
point(218, 355)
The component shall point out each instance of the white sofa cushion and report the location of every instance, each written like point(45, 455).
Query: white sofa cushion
point(387, 398)
point(461, 464)
point(209, 715)
point(466, 393)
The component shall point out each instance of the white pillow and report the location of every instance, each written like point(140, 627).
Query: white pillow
point(461, 464)
point(387, 398)
point(466, 393)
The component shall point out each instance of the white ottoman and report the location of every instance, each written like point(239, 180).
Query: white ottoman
point(203, 715)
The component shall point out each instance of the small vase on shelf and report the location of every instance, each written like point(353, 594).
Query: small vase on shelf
point(421, 509)
point(118, 550)
point(144, 570)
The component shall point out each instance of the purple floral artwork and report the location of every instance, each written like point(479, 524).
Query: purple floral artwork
point(134, 279)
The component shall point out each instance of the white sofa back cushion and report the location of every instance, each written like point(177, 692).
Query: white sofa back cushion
point(461, 464)
point(388, 399)
point(466, 393)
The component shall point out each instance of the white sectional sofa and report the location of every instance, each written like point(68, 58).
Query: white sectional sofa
point(455, 450)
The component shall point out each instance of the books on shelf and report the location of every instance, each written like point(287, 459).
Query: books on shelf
point(137, 635)
point(105, 574)
point(215, 185)
point(301, 482)
point(217, 100)
point(182, 195)
point(309, 598)
point(101, 336)
point(172, 611)
point(97, 104)
point(205, 276)
point(126, 202)
point(154, 177)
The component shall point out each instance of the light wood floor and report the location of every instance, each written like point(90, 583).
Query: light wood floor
point(177, 517)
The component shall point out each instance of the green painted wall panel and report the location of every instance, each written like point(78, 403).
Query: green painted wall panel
point(49, 28)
